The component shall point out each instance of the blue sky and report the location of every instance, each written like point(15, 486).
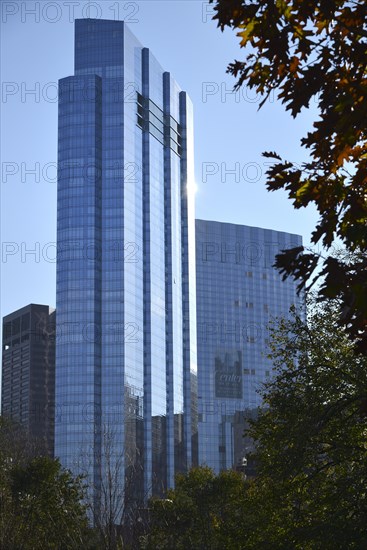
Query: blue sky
point(230, 132)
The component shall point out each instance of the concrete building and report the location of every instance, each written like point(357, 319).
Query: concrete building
point(28, 371)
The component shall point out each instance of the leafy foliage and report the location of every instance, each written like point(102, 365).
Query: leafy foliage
point(311, 437)
point(40, 503)
point(316, 50)
point(204, 511)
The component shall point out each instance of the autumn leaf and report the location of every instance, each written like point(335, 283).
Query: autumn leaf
point(314, 53)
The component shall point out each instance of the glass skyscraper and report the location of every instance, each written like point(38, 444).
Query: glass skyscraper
point(126, 317)
point(238, 293)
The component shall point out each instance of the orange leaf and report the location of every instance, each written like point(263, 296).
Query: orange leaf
point(343, 155)
point(293, 66)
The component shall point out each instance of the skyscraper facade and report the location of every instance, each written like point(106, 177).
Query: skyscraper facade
point(238, 293)
point(126, 318)
point(28, 372)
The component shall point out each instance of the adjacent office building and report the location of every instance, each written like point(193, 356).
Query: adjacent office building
point(238, 293)
point(126, 318)
point(28, 372)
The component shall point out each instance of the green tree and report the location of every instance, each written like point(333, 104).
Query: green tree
point(311, 440)
point(204, 511)
point(48, 502)
point(307, 51)
point(40, 503)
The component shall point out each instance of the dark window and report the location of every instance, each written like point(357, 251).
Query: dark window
point(15, 326)
point(26, 319)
